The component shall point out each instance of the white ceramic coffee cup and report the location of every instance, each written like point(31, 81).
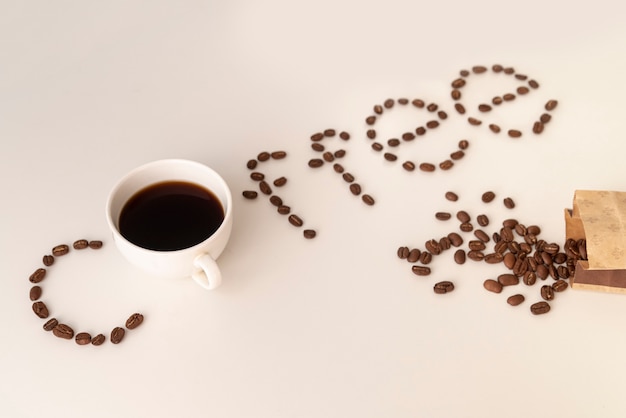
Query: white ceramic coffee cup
point(197, 261)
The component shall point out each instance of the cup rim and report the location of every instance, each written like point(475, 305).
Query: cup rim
point(117, 186)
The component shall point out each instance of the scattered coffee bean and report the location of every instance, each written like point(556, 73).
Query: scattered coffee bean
point(388, 103)
point(117, 335)
point(134, 321)
point(484, 107)
point(370, 120)
point(276, 201)
point(545, 118)
point(338, 168)
point(515, 300)
point(522, 90)
point(408, 165)
point(508, 279)
point(443, 216)
point(459, 108)
point(455, 239)
point(509, 203)
point(547, 293)
point(263, 156)
point(418, 103)
point(560, 285)
point(317, 137)
point(474, 121)
point(95, 244)
point(316, 146)
point(514, 133)
point(349, 178)
point(426, 257)
point(497, 100)
point(403, 252)
point(492, 286)
point(533, 84)
point(50, 324)
point(457, 155)
point(80, 244)
point(538, 127)
point(494, 128)
point(284, 210)
point(251, 164)
point(295, 220)
point(35, 293)
point(48, 260)
point(508, 97)
point(40, 309)
point(390, 157)
point(355, 188)
point(278, 155)
point(378, 109)
point(344, 135)
point(540, 308)
point(371, 133)
point(63, 331)
point(551, 105)
point(38, 275)
point(463, 216)
point(446, 165)
point(98, 339)
point(280, 182)
point(316, 162)
point(309, 233)
point(328, 157)
point(428, 167)
point(60, 250)
point(421, 270)
point(443, 287)
point(367, 199)
point(455, 94)
point(459, 256)
point(249, 194)
point(340, 153)
point(83, 338)
point(265, 188)
point(482, 220)
point(414, 255)
point(377, 147)
point(256, 176)
point(451, 196)
point(488, 196)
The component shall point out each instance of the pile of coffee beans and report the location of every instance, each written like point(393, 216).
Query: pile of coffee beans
point(409, 136)
point(484, 108)
point(266, 189)
point(513, 244)
point(61, 329)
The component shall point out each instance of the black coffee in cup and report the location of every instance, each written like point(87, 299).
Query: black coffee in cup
point(170, 215)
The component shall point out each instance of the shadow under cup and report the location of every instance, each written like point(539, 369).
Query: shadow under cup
point(170, 261)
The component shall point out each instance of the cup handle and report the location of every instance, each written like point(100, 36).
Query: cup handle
point(207, 273)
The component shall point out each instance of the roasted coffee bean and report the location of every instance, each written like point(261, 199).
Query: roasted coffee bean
point(432, 124)
point(317, 136)
point(458, 83)
point(280, 182)
point(251, 164)
point(377, 147)
point(390, 157)
point(443, 216)
point(488, 196)
point(338, 168)
point(546, 258)
point(388, 103)
point(408, 166)
point(35, 293)
point(508, 279)
point(95, 245)
point(497, 100)
point(83, 338)
point(545, 118)
point(466, 227)
point(433, 247)
point(445, 243)
point(263, 156)
point(464, 73)
point(265, 188)
point(117, 335)
point(493, 258)
point(507, 234)
point(540, 308)
point(459, 256)
point(250, 194)
point(521, 77)
point(98, 339)
point(309, 233)
point(368, 200)
point(426, 257)
point(428, 167)
point(63, 331)
point(403, 252)
point(515, 300)
point(492, 286)
point(459, 108)
point(370, 120)
point(80, 244)
point(563, 272)
point(481, 235)
point(328, 157)
point(463, 216)
point(276, 201)
point(378, 109)
point(316, 146)
point(475, 255)
point(508, 70)
point(551, 105)
point(371, 133)
point(48, 260)
point(514, 133)
point(414, 255)
point(455, 94)
point(451, 196)
point(316, 162)
point(494, 128)
point(484, 107)
point(497, 68)
point(533, 229)
point(520, 229)
point(455, 239)
point(60, 250)
point(420, 130)
point(446, 165)
point(547, 293)
point(542, 272)
point(340, 153)
point(403, 101)
point(501, 246)
point(509, 203)
point(278, 155)
point(408, 136)
point(522, 90)
point(256, 176)
point(38, 275)
point(476, 245)
point(533, 84)
point(560, 285)
point(432, 107)
point(508, 97)
point(284, 210)
point(457, 155)
point(40, 309)
point(479, 69)
point(134, 321)
point(420, 270)
point(443, 287)
point(538, 127)
point(295, 220)
point(509, 260)
point(348, 177)
point(393, 142)
point(482, 220)
point(355, 188)
point(551, 248)
point(50, 324)
point(442, 115)
point(474, 121)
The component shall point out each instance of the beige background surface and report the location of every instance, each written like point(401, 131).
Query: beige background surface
point(337, 326)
